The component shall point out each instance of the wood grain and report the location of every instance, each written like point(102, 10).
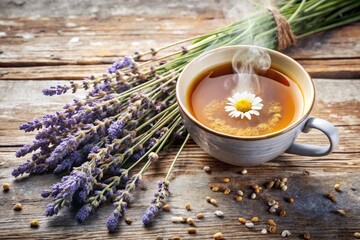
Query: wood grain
point(55, 50)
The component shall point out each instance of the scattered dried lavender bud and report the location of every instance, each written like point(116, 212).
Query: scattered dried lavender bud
point(191, 230)
point(213, 202)
point(282, 213)
point(128, 220)
point(190, 221)
point(242, 220)
point(357, 234)
point(290, 200)
point(249, 224)
point(6, 187)
point(17, 207)
point(207, 169)
point(255, 219)
point(253, 196)
point(307, 236)
point(269, 184)
point(331, 197)
point(271, 222)
point(34, 223)
point(272, 229)
point(219, 213)
point(263, 231)
point(341, 212)
point(208, 199)
point(240, 193)
point(215, 189)
point(226, 180)
point(337, 187)
point(238, 198)
point(188, 207)
point(284, 188)
point(227, 191)
point(285, 233)
point(200, 216)
point(166, 208)
point(218, 236)
point(244, 172)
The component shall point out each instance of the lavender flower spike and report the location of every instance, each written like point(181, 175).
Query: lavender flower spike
point(67, 146)
point(31, 126)
point(55, 90)
point(83, 213)
point(113, 221)
point(126, 62)
point(157, 202)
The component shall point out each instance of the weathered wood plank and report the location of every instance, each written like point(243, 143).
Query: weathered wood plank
point(310, 205)
point(328, 68)
point(94, 41)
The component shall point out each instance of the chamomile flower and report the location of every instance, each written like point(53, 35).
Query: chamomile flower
point(243, 104)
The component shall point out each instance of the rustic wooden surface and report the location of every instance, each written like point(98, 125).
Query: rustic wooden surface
point(39, 52)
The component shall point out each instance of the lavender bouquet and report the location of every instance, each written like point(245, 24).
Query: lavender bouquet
point(130, 113)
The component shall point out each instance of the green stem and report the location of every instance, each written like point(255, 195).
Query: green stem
point(176, 157)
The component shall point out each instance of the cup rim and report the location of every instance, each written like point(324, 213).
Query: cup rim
point(288, 128)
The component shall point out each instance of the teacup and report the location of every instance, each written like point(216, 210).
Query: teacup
point(244, 150)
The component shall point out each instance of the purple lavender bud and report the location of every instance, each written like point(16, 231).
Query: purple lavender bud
point(55, 90)
point(67, 146)
point(21, 169)
point(115, 129)
point(51, 119)
point(148, 217)
point(126, 62)
point(31, 126)
point(45, 193)
point(23, 151)
point(112, 223)
point(51, 209)
point(68, 163)
point(83, 213)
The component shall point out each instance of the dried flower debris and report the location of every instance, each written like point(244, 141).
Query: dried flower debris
point(218, 236)
point(34, 223)
point(17, 207)
point(6, 187)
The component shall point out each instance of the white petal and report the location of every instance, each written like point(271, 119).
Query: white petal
point(237, 96)
point(254, 112)
point(248, 115)
point(257, 100)
point(229, 108)
point(231, 100)
point(258, 106)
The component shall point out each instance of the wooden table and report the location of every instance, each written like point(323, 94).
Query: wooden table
point(39, 52)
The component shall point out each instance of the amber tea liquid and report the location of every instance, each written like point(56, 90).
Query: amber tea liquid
point(281, 97)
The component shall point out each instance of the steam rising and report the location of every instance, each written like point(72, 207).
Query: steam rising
point(248, 63)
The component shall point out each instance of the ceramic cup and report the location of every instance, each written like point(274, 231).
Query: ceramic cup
point(253, 150)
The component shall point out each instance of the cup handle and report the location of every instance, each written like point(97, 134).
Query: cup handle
point(313, 150)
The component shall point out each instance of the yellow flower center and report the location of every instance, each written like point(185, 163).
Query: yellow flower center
point(243, 105)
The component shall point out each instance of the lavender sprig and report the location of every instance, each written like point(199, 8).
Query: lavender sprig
point(163, 191)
